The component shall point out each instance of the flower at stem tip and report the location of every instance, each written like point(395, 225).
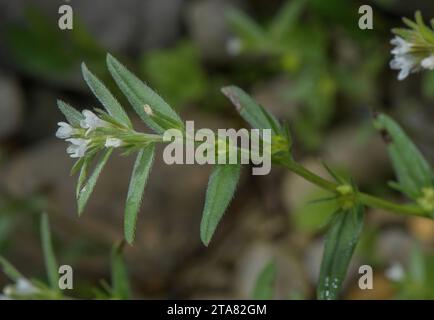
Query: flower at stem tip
point(65, 130)
point(403, 59)
point(91, 121)
point(77, 148)
point(413, 47)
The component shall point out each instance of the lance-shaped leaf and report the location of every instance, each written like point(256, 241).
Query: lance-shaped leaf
point(10, 270)
point(264, 287)
point(50, 259)
point(119, 274)
point(251, 111)
point(86, 191)
point(286, 19)
point(112, 106)
point(71, 114)
point(140, 95)
point(135, 192)
point(412, 170)
point(221, 187)
point(341, 240)
point(246, 28)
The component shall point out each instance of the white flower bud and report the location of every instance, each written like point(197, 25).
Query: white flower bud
point(113, 143)
point(77, 148)
point(403, 59)
point(65, 130)
point(428, 63)
point(91, 121)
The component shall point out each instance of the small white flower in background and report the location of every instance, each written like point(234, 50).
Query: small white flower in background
point(413, 47)
point(395, 272)
point(405, 64)
point(78, 147)
point(401, 46)
point(65, 130)
point(91, 121)
point(148, 110)
point(428, 63)
point(234, 46)
point(403, 60)
point(113, 142)
point(22, 287)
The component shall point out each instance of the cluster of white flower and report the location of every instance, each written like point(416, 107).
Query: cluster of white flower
point(80, 140)
point(406, 60)
point(22, 288)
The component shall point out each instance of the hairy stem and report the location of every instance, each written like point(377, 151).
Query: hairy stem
point(364, 198)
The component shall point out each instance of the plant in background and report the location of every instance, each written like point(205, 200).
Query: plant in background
point(414, 47)
point(29, 288)
point(316, 79)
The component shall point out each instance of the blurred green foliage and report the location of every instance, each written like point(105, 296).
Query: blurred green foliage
point(40, 48)
point(318, 78)
point(418, 280)
point(177, 73)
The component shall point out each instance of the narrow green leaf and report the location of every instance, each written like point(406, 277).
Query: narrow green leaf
point(135, 192)
point(264, 287)
point(341, 240)
point(119, 274)
point(221, 187)
point(251, 111)
point(72, 115)
point(426, 32)
point(412, 170)
point(10, 270)
point(50, 259)
point(86, 191)
point(139, 95)
point(245, 27)
point(112, 106)
point(286, 19)
point(83, 175)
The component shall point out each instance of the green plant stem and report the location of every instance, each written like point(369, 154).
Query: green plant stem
point(364, 198)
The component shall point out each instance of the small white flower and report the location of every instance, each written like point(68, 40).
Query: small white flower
point(91, 121)
point(25, 287)
point(401, 46)
point(78, 147)
point(405, 63)
point(428, 63)
point(234, 46)
point(22, 287)
point(395, 272)
point(113, 142)
point(148, 110)
point(403, 59)
point(65, 130)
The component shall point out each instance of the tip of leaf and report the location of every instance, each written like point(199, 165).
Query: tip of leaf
point(110, 59)
point(80, 210)
point(232, 96)
point(129, 237)
point(83, 66)
point(205, 241)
